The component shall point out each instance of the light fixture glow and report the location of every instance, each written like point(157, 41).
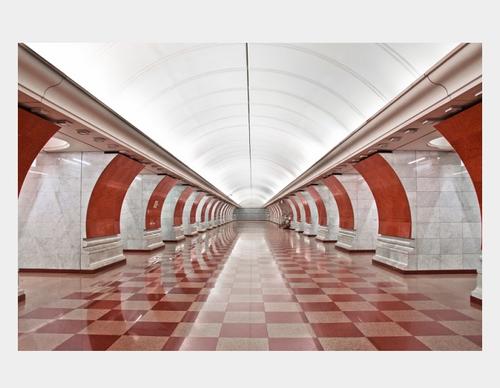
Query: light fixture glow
point(417, 160)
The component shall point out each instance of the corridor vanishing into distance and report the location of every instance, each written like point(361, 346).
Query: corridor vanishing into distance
point(249, 286)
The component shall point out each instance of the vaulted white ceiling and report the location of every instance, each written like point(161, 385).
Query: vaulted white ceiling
point(192, 100)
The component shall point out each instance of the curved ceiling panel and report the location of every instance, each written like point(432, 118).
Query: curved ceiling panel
point(192, 99)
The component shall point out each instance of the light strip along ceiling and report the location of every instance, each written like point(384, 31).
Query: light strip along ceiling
point(192, 99)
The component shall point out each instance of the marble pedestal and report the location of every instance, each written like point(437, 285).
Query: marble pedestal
point(310, 230)
point(152, 240)
point(396, 252)
point(299, 227)
point(21, 296)
point(477, 293)
point(191, 230)
point(179, 233)
point(101, 251)
point(325, 234)
point(202, 227)
point(293, 225)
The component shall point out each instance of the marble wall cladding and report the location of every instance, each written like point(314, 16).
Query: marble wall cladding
point(133, 213)
point(93, 164)
point(188, 228)
point(301, 225)
point(200, 208)
point(313, 229)
point(446, 220)
point(49, 212)
point(365, 211)
point(332, 210)
point(167, 213)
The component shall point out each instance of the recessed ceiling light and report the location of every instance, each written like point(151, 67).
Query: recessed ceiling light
point(480, 93)
point(452, 108)
point(440, 143)
point(394, 138)
point(83, 131)
point(55, 144)
point(99, 139)
point(382, 145)
point(429, 121)
point(410, 130)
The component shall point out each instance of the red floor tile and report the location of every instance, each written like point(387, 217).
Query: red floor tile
point(46, 313)
point(446, 315)
point(152, 329)
point(319, 306)
point(173, 306)
point(150, 297)
point(336, 330)
point(88, 342)
point(426, 328)
point(123, 315)
point(346, 298)
point(411, 296)
point(102, 304)
point(397, 343)
point(64, 326)
point(367, 316)
point(391, 306)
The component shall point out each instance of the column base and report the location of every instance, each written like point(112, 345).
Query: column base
point(325, 235)
point(101, 252)
point(179, 233)
point(476, 296)
point(309, 230)
point(396, 252)
point(21, 296)
point(152, 240)
point(191, 230)
point(349, 240)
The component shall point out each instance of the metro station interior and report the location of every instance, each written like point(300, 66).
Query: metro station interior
point(250, 196)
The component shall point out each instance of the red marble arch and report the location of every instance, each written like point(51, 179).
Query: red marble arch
point(394, 216)
point(194, 207)
point(216, 210)
point(105, 203)
point(179, 206)
point(33, 133)
point(156, 201)
point(285, 208)
point(222, 211)
point(297, 209)
point(322, 218)
point(346, 213)
point(464, 132)
point(207, 209)
point(305, 204)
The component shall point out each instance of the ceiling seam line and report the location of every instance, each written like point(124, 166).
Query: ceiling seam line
point(248, 118)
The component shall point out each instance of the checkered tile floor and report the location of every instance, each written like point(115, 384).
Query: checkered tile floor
point(252, 286)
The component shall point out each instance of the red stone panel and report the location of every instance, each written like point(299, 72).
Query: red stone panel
point(156, 201)
point(464, 132)
point(33, 133)
point(346, 213)
point(394, 214)
point(305, 204)
point(297, 209)
point(194, 207)
point(105, 203)
point(322, 217)
point(206, 212)
point(179, 206)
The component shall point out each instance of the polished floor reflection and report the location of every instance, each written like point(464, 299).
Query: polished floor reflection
point(248, 286)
